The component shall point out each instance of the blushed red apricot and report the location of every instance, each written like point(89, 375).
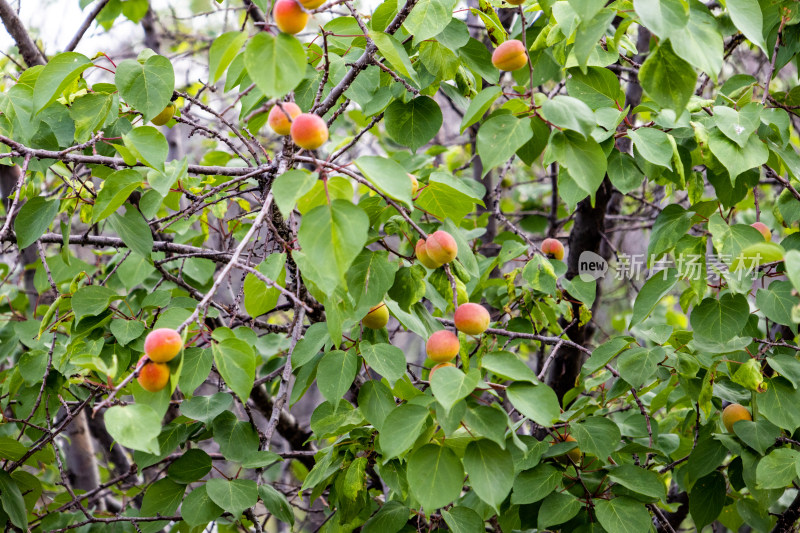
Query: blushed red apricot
point(553, 248)
point(763, 229)
point(377, 317)
point(472, 319)
point(163, 344)
point(153, 376)
point(309, 131)
point(442, 346)
point(509, 56)
point(441, 247)
point(289, 16)
point(422, 255)
point(734, 413)
point(278, 120)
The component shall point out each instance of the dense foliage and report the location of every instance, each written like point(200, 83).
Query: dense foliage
point(144, 189)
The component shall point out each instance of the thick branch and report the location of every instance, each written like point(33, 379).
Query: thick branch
point(30, 52)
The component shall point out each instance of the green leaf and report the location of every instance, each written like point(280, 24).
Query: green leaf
point(435, 476)
point(623, 172)
point(126, 330)
point(778, 404)
point(206, 408)
point(462, 519)
point(57, 75)
point(89, 113)
point(390, 518)
point(222, 51)
point(449, 384)
point(369, 277)
point(479, 106)
point(597, 436)
point(196, 368)
point(135, 426)
point(734, 158)
point(720, 320)
point(133, 230)
point(792, 263)
point(738, 125)
point(622, 515)
point(236, 363)
point(395, 54)
point(336, 372)
point(116, 189)
point(13, 503)
point(637, 366)
point(387, 175)
point(290, 187)
point(277, 64)
point(198, 509)
point(375, 401)
point(537, 402)
point(193, 465)
point(778, 469)
point(233, 495)
point(91, 300)
point(260, 298)
point(401, 428)
point(747, 17)
point(583, 158)
point(429, 18)
point(490, 470)
point(409, 286)
point(276, 503)
point(148, 145)
point(328, 235)
point(700, 42)
point(662, 17)
point(501, 136)
point(237, 439)
point(387, 360)
point(147, 86)
point(557, 508)
point(777, 301)
point(33, 219)
point(569, 113)
point(706, 499)
point(654, 145)
point(787, 366)
point(412, 124)
point(668, 79)
point(639, 480)
point(508, 366)
point(653, 290)
point(533, 485)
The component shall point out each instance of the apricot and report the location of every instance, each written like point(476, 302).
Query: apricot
point(165, 115)
point(574, 453)
point(309, 131)
point(442, 346)
point(278, 120)
point(516, 2)
point(422, 255)
point(312, 4)
point(553, 248)
point(437, 367)
point(733, 413)
point(377, 317)
point(441, 247)
point(472, 319)
point(511, 55)
point(763, 229)
point(162, 345)
point(289, 16)
point(153, 376)
point(414, 184)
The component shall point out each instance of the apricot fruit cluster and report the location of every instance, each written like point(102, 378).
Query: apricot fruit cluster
point(438, 249)
point(160, 347)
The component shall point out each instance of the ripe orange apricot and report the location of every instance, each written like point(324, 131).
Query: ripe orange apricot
point(289, 16)
point(472, 319)
point(437, 367)
point(574, 453)
point(165, 115)
point(553, 248)
point(278, 120)
point(511, 55)
point(153, 376)
point(163, 344)
point(421, 251)
point(761, 227)
point(312, 4)
point(377, 317)
point(733, 413)
point(441, 247)
point(442, 346)
point(309, 131)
